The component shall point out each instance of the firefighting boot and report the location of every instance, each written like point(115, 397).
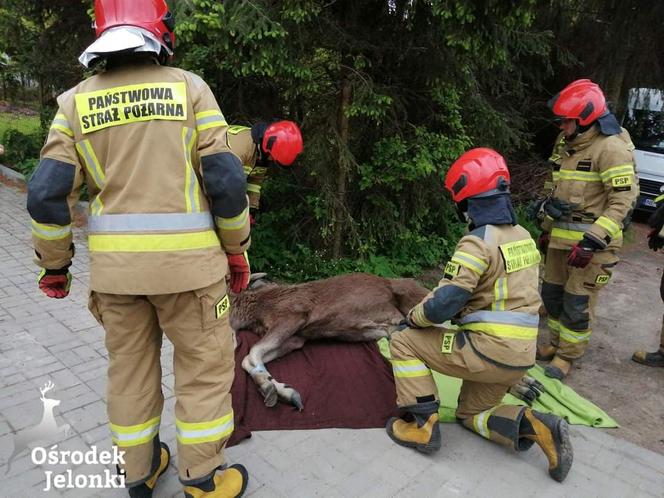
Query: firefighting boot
point(546, 353)
point(422, 432)
point(558, 368)
point(551, 433)
point(655, 359)
point(230, 483)
point(145, 490)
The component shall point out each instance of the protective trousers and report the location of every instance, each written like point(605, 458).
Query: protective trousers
point(416, 351)
point(570, 295)
point(197, 323)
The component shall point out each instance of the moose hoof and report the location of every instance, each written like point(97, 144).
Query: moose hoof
point(269, 392)
point(296, 400)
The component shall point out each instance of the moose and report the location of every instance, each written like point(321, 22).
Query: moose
point(46, 431)
point(352, 307)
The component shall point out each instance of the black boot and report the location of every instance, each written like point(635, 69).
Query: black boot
point(655, 359)
point(160, 464)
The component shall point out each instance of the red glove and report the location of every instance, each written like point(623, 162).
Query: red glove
point(240, 272)
point(543, 242)
point(252, 220)
point(55, 283)
point(580, 256)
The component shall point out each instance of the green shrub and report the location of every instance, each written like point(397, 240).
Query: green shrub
point(22, 150)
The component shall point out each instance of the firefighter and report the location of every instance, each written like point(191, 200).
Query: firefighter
point(168, 221)
point(490, 290)
point(655, 242)
point(594, 192)
point(260, 148)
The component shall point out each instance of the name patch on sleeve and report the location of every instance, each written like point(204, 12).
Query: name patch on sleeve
point(131, 103)
point(451, 270)
point(621, 182)
point(519, 255)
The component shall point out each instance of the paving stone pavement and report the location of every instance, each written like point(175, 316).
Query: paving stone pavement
point(45, 340)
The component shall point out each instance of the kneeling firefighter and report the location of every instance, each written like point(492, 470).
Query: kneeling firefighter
point(490, 290)
point(261, 148)
point(168, 221)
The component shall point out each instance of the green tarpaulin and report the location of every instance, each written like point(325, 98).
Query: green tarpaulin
point(558, 398)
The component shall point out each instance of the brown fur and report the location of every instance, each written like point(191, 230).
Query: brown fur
point(351, 307)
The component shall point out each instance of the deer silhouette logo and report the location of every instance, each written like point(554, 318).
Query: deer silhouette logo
point(47, 431)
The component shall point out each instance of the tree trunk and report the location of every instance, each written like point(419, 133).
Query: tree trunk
point(342, 166)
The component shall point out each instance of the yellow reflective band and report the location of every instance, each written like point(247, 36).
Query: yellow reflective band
point(204, 432)
point(614, 171)
point(520, 254)
point(235, 129)
point(133, 435)
point(86, 152)
point(153, 242)
point(481, 423)
point(130, 104)
point(555, 175)
point(573, 336)
point(500, 294)
point(191, 188)
point(209, 119)
point(609, 225)
point(256, 189)
point(469, 261)
point(561, 233)
point(583, 176)
point(659, 198)
point(96, 206)
point(259, 171)
point(247, 169)
point(61, 123)
point(553, 324)
point(236, 223)
point(410, 368)
point(507, 331)
point(50, 232)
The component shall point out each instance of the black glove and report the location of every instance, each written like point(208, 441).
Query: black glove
point(406, 323)
point(533, 208)
point(655, 242)
point(528, 389)
point(556, 208)
point(656, 219)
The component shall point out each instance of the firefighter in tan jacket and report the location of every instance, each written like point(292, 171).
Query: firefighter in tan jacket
point(594, 192)
point(168, 220)
point(260, 148)
point(490, 290)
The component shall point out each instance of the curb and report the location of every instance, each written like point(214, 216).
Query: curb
point(10, 173)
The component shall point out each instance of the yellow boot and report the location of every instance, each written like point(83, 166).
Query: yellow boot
point(551, 433)
point(145, 490)
point(546, 353)
point(423, 436)
point(558, 368)
point(230, 483)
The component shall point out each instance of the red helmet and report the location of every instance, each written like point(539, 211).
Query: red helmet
point(477, 171)
point(283, 141)
point(151, 15)
point(582, 100)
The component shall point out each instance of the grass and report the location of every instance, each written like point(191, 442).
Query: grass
point(20, 122)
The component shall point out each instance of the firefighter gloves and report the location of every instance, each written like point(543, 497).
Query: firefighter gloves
point(528, 389)
point(240, 271)
point(55, 283)
point(556, 208)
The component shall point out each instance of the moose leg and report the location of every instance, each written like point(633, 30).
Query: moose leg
point(284, 391)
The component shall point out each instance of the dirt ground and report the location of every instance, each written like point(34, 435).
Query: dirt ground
point(628, 318)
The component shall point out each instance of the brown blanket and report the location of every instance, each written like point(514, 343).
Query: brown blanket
point(347, 385)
